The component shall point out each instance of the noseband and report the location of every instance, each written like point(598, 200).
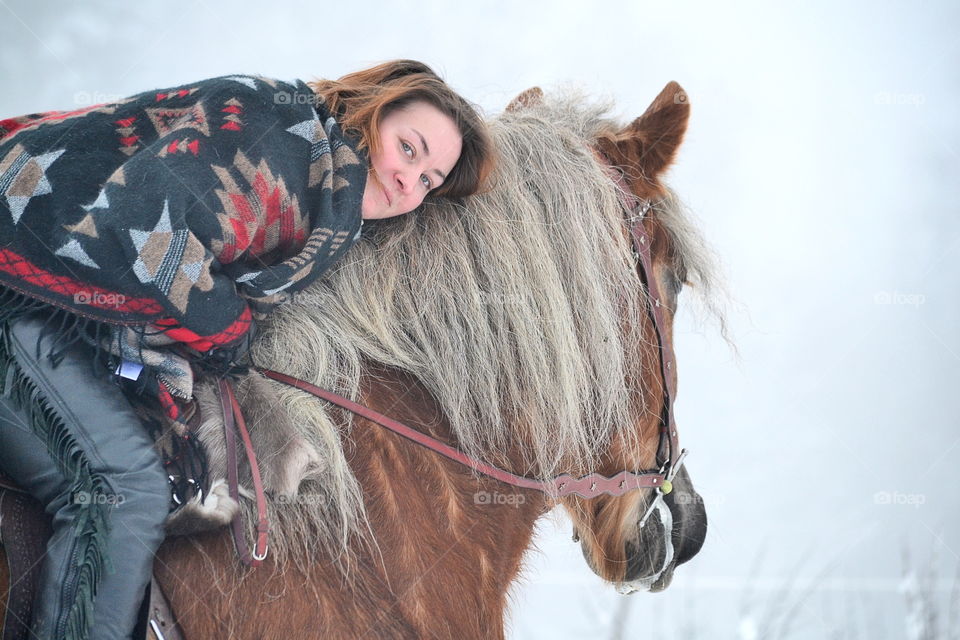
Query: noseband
point(592, 485)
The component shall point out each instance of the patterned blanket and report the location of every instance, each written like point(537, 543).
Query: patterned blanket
point(176, 217)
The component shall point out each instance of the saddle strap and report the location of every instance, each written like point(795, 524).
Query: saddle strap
point(233, 422)
point(24, 531)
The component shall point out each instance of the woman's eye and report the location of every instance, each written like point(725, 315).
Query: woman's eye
point(407, 149)
point(426, 181)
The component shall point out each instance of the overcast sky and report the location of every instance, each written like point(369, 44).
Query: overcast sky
point(822, 161)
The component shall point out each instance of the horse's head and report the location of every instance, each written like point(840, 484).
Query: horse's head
point(637, 540)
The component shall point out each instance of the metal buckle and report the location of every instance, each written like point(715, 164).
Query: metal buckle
point(669, 472)
point(674, 470)
point(156, 629)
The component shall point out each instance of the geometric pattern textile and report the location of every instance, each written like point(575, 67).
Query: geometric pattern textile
point(188, 211)
point(23, 177)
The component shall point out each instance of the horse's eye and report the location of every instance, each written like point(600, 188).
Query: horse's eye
point(679, 279)
point(672, 287)
point(677, 285)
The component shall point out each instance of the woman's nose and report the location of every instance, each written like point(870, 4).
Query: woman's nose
point(405, 181)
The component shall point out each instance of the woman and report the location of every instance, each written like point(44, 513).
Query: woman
point(142, 239)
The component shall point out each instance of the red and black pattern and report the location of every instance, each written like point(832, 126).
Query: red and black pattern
point(39, 282)
point(234, 118)
point(129, 140)
point(183, 209)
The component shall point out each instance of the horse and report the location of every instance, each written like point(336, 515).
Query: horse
point(512, 325)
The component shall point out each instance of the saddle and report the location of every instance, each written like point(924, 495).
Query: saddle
point(24, 531)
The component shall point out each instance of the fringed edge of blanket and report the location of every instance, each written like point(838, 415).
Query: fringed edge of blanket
point(67, 327)
point(219, 362)
point(92, 521)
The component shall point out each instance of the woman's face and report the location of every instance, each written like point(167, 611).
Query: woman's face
point(419, 146)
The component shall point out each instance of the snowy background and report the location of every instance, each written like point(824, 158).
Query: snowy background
point(822, 160)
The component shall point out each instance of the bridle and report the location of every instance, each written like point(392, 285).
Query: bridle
point(589, 486)
point(637, 210)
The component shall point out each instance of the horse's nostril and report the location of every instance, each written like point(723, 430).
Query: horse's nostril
point(648, 556)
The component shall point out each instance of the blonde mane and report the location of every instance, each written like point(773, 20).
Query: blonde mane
point(514, 308)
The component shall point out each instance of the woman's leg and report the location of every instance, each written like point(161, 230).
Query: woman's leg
point(98, 476)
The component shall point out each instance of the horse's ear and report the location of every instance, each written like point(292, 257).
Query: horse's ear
point(529, 98)
point(650, 142)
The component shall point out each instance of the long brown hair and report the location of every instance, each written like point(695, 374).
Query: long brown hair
point(362, 99)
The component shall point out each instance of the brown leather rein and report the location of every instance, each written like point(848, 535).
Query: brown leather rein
point(589, 486)
point(232, 422)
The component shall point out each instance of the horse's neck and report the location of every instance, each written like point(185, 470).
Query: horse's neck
point(450, 542)
point(448, 545)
